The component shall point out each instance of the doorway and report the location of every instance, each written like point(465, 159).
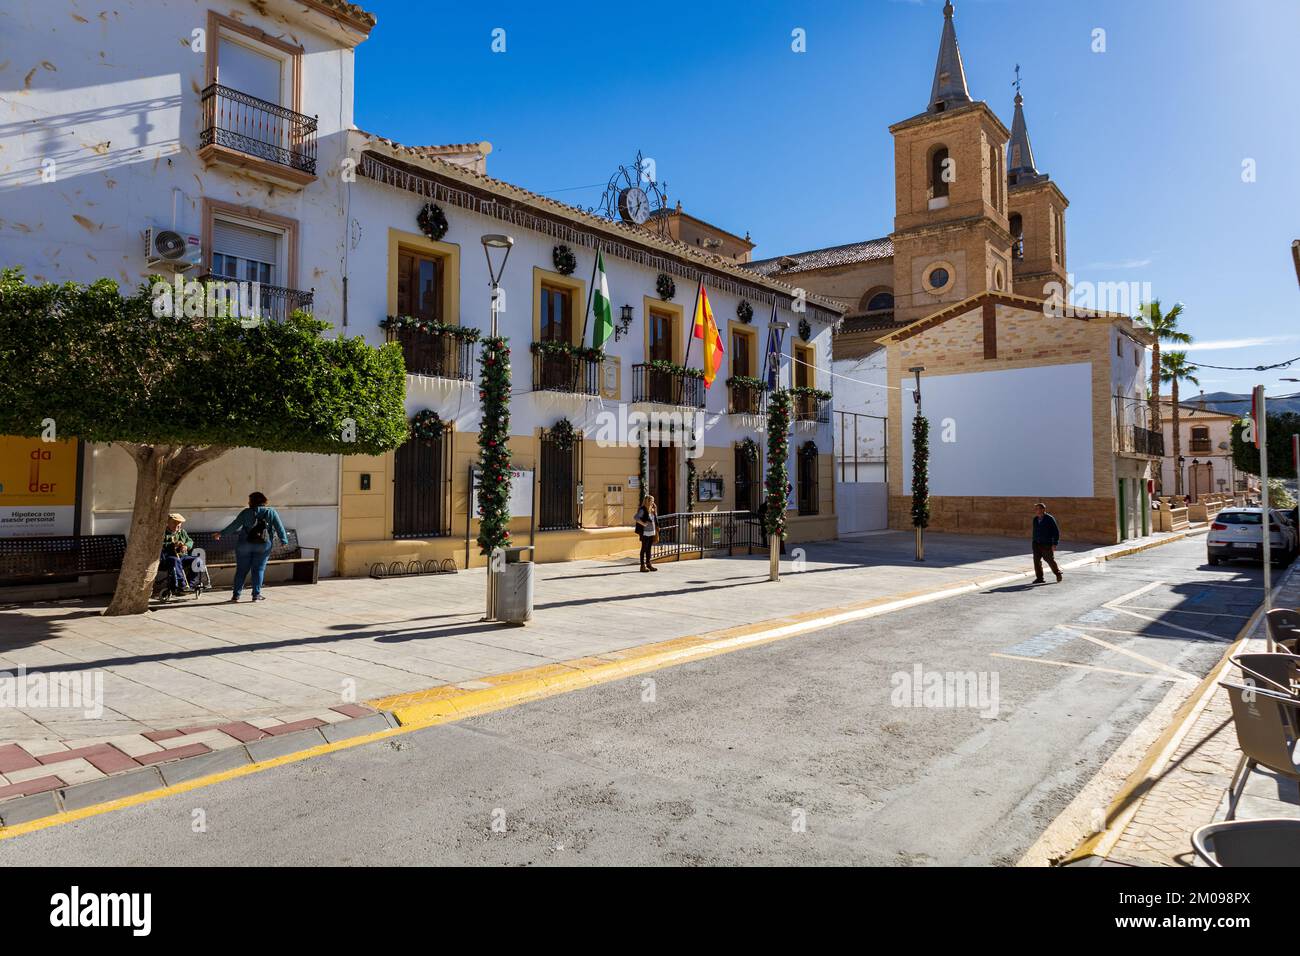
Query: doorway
point(661, 464)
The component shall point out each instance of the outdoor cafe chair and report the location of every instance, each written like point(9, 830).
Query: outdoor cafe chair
point(1267, 842)
point(1276, 672)
point(1284, 627)
point(1265, 722)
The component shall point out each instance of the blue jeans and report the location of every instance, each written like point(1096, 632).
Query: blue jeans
point(178, 568)
point(250, 557)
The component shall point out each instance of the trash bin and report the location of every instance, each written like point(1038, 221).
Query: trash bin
point(512, 585)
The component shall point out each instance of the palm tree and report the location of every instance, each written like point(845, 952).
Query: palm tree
point(1163, 328)
point(1174, 368)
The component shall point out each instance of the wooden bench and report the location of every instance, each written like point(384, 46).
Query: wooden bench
point(27, 560)
point(221, 554)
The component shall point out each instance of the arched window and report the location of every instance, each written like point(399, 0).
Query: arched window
point(1017, 225)
point(877, 300)
point(939, 165)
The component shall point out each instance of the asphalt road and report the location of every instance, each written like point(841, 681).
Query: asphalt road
point(796, 752)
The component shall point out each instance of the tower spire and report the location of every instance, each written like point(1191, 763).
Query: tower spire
point(1020, 155)
point(949, 88)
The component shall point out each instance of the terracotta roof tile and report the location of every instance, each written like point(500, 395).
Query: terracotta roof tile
point(882, 248)
point(635, 234)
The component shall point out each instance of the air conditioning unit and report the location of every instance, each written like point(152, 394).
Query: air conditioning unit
point(171, 248)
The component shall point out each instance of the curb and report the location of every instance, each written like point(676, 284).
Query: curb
point(185, 770)
point(1123, 807)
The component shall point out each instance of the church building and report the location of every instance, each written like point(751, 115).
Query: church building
point(1028, 399)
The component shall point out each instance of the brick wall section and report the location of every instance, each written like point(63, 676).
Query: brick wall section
point(1090, 520)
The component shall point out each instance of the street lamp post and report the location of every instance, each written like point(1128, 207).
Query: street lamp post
point(916, 396)
point(501, 245)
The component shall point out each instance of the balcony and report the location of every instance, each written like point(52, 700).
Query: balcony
point(747, 396)
point(1136, 440)
point(558, 367)
point(254, 135)
point(253, 300)
point(1200, 446)
point(811, 405)
point(665, 384)
point(435, 351)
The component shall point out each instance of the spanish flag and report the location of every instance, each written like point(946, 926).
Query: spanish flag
point(707, 330)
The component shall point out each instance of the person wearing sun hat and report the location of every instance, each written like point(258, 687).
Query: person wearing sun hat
point(176, 558)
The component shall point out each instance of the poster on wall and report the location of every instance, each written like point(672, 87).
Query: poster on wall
point(38, 487)
point(521, 492)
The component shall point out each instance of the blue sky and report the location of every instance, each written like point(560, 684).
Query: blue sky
point(1147, 139)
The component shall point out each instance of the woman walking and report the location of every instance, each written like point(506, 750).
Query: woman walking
point(258, 526)
point(645, 527)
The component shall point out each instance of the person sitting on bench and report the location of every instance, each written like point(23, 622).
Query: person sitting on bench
point(176, 559)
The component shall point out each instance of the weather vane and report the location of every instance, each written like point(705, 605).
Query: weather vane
point(1016, 81)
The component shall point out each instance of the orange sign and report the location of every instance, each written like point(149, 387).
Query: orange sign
point(38, 486)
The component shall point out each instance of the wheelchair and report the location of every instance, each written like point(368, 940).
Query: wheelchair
point(162, 585)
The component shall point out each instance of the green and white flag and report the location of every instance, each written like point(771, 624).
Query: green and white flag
point(600, 306)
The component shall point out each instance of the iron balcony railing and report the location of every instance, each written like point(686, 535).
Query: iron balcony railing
point(253, 300)
point(1201, 445)
point(746, 399)
point(436, 354)
point(665, 387)
point(695, 534)
point(255, 127)
point(557, 371)
point(811, 408)
point(1144, 441)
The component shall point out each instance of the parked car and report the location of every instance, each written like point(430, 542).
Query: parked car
point(1237, 533)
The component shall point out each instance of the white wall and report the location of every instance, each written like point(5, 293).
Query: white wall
point(382, 207)
point(114, 101)
point(1018, 432)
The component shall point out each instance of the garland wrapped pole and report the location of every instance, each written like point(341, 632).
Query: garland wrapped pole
point(494, 452)
point(778, 479)
point(920, 469)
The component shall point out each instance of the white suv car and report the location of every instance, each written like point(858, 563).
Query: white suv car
point(1237, 533)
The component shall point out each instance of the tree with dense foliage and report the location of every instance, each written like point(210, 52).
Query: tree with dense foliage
point(1174, 368)
point(176, 392)
point(1163, 327)
point(1280, 463)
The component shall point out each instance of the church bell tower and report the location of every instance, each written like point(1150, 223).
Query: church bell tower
point(950, 237)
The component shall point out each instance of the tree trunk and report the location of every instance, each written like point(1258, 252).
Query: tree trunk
point(1178, 444)
point(1155, 386)
point(159, 471)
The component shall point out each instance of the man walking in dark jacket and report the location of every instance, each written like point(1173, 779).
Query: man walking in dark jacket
point(1047, 535)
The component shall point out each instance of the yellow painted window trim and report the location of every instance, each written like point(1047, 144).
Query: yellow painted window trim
point(399, 242)
point(576, 287)
point(680, 332)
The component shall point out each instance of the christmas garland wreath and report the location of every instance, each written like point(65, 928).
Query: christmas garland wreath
point(745, 312)
point(665, 286)
point(563, 434)
point(432, 221)
point(427, 426)
point(748, 450)
point(564, 259)
point(778, 451)
point(920, 472)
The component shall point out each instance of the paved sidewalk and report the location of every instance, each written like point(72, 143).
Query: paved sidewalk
point(1189, 788)
point(309, 649)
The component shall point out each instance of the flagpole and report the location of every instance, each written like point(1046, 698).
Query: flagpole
point(591, 291)
point(690, 339)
